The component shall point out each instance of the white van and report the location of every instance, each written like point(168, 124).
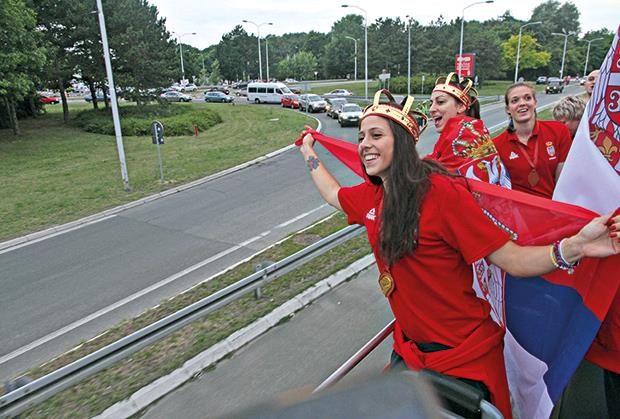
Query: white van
point(261, 92)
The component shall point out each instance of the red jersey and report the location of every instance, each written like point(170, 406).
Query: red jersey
point(433, 299)
point(546, 148)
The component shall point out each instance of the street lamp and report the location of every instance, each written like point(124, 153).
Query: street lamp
point(408, 55)
point(179, 36)
point(258, 25)
point(565, 35)
point(519, 46)
point(365, 47)
point(355, 54)
point(585, 67)
point(461, 43)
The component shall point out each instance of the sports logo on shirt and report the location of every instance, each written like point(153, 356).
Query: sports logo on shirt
point(371, 215)
point(550, 148)
point(513, 155)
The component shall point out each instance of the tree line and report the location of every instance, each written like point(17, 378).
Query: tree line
point(52, 42)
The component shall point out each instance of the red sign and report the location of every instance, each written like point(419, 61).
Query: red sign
point(466, 65)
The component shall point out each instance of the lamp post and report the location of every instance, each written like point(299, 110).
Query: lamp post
point(365, 47)
point(258, 25)
point(565, 35)
point(115, 115)
point(462, 22)
point(519, 47)
point(355, 54)
point(408, 55)
point(585, 67)
point(179, 36)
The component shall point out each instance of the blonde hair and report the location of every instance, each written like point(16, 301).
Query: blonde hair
point(569, 108)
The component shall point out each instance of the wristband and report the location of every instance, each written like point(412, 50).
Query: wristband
point(558, 260)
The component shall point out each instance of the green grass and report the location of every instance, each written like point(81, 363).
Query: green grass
point(119, 381)
point(54, 172)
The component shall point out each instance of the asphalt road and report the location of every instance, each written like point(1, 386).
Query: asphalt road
point(67, 288)
point(292, 359)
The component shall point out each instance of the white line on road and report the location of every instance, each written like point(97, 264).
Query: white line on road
point(58, 233)
point(141, 293)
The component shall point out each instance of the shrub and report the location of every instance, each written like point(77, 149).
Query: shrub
point(136, 120)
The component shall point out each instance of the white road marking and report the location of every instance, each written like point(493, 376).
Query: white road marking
point(58, 233)
point(141, 293)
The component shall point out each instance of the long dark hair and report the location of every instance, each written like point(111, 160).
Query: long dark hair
point(406, 184)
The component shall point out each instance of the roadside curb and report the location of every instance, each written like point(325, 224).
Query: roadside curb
point(193, 367)
point(73, 225)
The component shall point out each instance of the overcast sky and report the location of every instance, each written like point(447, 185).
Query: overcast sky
point(210, 19)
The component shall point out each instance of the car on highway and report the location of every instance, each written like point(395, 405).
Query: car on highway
point(218, 97)
point(189, 88)
point(312, 103)
point(350, 114)
point(333, 106)
point(339, 92)
point(99, 97)
point(174, 96)
point(290, 101)
point(49, 99)
point(554, 85)
point(290, 81)
point(541, 80)
point(218, 88)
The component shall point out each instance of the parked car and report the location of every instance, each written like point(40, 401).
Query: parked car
point(243, 92)
point(189, 88)
point(339, 92)
point(541, 80)
point(174, 96)
point(290, 81)
point(218, 97)
point(99, 97)
point(554, 85)
point(333, 106)
point(350, 114)
point(290, 101)
point(312, 103)
point(49, 99)
point(222, 89)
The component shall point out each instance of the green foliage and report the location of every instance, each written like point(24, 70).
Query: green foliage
point(300, 66)
point(177, 120)
point(530, 55)
point(215, 75)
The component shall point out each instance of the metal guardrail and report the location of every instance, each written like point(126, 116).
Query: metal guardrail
point(37, 391)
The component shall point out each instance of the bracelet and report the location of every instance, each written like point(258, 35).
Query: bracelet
point(558, 260)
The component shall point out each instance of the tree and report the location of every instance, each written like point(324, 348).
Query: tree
point(21, 58)
point(215, 75)
point(235, 53)
point(530, 55)
point(339, 52)
point(301, 66)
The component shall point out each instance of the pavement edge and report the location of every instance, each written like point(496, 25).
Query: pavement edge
point(191, 368)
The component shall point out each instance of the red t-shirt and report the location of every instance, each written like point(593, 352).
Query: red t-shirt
point(433, 299)
point(553, 141)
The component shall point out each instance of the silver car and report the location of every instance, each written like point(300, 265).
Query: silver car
point(312, 103)
point(174, 96)
point(350, 114)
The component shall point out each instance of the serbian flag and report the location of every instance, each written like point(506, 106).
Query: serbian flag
point(591, 178)
point(551, 320)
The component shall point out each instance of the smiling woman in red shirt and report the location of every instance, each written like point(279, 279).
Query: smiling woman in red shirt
point(533, 151)
point(425, 230)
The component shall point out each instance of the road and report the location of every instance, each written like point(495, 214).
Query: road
point(291, 359)
point(67, 288)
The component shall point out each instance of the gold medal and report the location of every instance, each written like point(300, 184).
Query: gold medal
point(533, 178)
point(386, 283)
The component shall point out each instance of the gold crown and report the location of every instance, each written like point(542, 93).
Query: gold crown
point(464, 95)
point(400, 116)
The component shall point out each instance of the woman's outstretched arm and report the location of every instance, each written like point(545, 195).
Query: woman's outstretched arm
point(325, 182)
point(599, 238)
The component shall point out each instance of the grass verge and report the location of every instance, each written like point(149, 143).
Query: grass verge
point(116, 383)
point(55, 172)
